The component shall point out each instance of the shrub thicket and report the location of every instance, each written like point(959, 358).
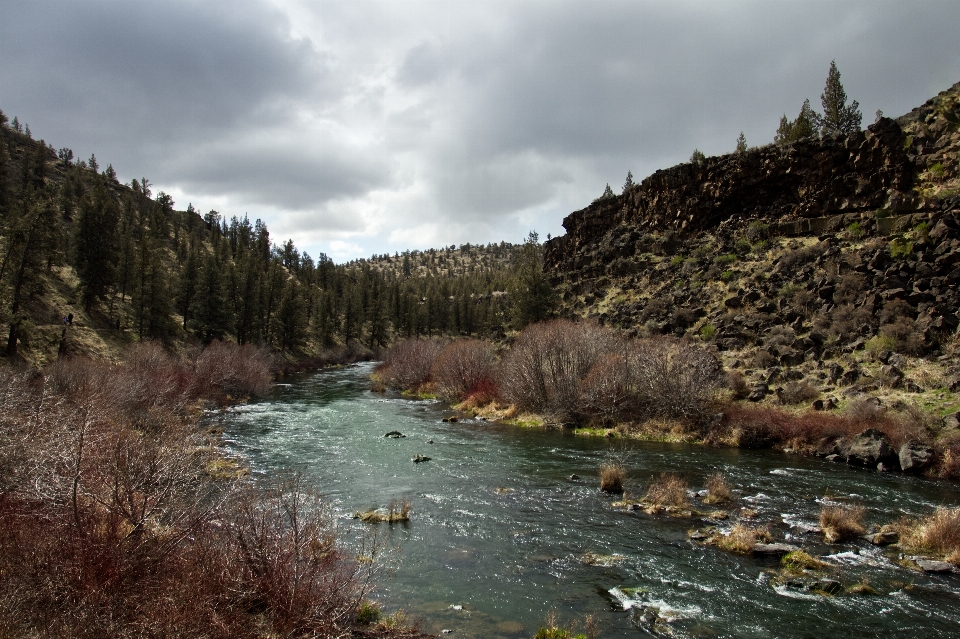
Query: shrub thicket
point(108, 526)
point(463, 368)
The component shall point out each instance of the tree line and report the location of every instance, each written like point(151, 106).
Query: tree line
point(161, 273)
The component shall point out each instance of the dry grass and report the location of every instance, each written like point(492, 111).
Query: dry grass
point(840, 523)
point(937, 533)
point(612, 477)
point(718, 489)
point(668, 491)
point(397, 511)
point(741, 539)
point(799, 560)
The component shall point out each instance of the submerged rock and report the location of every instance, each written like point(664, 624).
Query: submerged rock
point(420, 458)
point(395, 434)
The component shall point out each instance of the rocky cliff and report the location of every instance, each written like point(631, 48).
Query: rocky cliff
point(808, 264)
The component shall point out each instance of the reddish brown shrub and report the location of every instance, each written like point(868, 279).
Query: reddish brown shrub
point(107, 530)
point(675, 378)
point(543, 369)
point(229, 370)
point(608, 392)
point(462, 367)
point(408, 362)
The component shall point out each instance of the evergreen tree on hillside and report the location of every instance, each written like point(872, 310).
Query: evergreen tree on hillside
point(838, 116)
point(806, 125)
point(532, 298)
point(31, 232)
point(741, 143)
point(188, 283)
point(210, 314)
point(96, 244)
point(628, 184)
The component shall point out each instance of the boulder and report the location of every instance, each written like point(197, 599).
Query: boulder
point(871, 447)
point(758, 392)
point(884, 538)
point(774, 549)
point(395, 434)
point(931, 565)
point(420, 458)
point(914, 457)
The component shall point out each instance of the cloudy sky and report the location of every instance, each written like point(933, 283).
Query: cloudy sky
point(357, 127)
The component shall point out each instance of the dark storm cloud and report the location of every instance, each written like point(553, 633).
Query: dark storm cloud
point(370, 126)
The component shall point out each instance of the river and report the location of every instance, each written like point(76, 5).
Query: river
point(498, 529)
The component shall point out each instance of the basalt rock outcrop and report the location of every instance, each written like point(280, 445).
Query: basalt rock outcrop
point(811, 178)
point(818, 270)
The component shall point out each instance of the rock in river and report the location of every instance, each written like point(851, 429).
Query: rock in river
point(420, 458)
point(395, 434)
point(871, 447)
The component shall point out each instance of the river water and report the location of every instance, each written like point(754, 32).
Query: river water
point(499, 530)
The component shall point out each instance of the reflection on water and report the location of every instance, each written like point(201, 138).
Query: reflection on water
point(499, 529)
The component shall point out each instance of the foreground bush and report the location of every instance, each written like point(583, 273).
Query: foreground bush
point(110, 528)
point(544, 367)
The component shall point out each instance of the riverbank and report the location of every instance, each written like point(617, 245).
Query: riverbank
point(119, 512)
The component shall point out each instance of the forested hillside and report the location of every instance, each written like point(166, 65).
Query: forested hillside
point(89, 265)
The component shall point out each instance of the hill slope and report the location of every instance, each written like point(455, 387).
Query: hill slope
point(825, 264)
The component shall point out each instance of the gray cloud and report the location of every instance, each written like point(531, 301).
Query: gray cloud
point(374, 126)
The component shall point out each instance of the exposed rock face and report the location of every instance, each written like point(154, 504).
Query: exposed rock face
point(915, 457)
point(811, 178)
point(869, 448)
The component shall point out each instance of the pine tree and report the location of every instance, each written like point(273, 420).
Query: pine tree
point(532, 298)
point(806, 125)
point(838, 116)
point(210, 314)
point(96, 243)
point(628, 184)
point(697, 157)
point(741, 143)
point(189, 282)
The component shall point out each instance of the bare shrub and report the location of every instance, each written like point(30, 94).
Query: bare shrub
point(608, 392)
point(851, 287)
point(107, 528)
point(675, 378)
point(408, 362)
point(896, 309)
point(718, 489)
point(845, 321)
point(612, 476)
point(737, 384)
point(463, 367)
point(780, 336)
point(232, 370)
point(543, 369)
point(906, 338)
point(840, 523)
point(669, 490)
